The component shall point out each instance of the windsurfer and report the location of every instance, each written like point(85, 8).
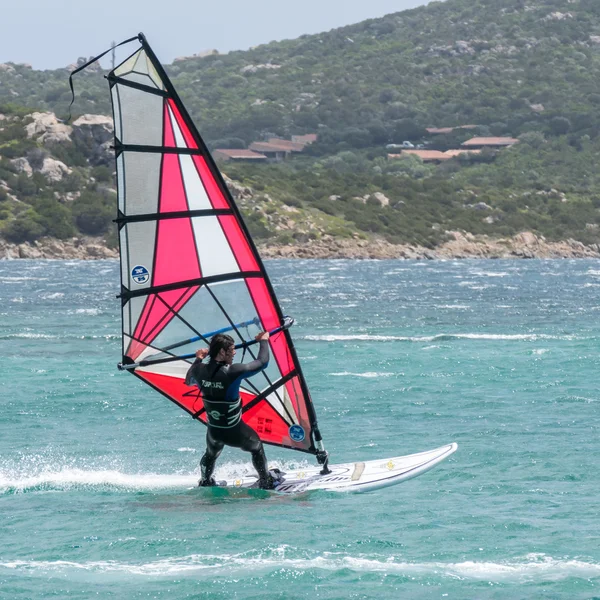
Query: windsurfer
point(219, 380)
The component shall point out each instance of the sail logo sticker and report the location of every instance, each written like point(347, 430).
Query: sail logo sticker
point(297, 433)
point(140, 275)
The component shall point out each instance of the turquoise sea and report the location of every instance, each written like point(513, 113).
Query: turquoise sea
point(97, 471)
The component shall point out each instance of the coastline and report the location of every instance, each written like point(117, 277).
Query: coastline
point(459, 246)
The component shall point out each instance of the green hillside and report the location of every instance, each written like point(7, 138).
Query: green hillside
point(485, 62)
point(510, 67)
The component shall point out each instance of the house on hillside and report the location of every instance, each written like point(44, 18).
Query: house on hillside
point(433, 156)
point(309, 138)
point(490, 142)
point(293, 146)
point(457, 152)
point(446, 130)
point(275, 149)
point(439, 130)
point(238, 155)
point(427, 156)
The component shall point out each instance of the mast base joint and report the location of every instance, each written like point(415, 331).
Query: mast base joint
point(323, 459)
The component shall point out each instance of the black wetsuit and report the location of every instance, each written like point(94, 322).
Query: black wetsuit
point(220, 386)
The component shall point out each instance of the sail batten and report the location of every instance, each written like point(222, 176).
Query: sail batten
point(189, 267)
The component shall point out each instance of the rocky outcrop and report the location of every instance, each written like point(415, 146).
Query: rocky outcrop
point(47, 129)
point(95, 132)
point(22, 165)
point(459, 245)
point(84, 248)
point(54, 170)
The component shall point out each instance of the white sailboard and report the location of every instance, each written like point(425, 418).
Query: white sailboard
point(190, 270)
point(352, 477)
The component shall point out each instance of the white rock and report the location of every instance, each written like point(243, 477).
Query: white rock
point(46, 128)
point(558, 16)
point(54, 170)
point(381, 198)
point(96, 131)
point(22, 165)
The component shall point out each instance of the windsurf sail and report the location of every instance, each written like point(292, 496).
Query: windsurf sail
point(189, 268)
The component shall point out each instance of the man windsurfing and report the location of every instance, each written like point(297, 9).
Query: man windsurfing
point(219, 381)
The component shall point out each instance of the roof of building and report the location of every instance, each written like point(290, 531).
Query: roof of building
point(457, 152)
point(436, 130)
point(291, 146)
point(235, 153)
point(308, 138)
point(424, 155)
point(491, 141)
point(268, 147)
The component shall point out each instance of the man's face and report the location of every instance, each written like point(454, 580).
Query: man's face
point(229, 354)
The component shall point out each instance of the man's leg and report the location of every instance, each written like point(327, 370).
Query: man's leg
point(250, 442)
point(207, 464)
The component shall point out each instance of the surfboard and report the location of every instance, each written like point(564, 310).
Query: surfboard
point(352, 477)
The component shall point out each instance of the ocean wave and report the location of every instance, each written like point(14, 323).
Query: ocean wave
point(28, 335)
point(438, 337)
point(87, 311)
point(7, 279)
point(368, 374)
point(41, 474)
point(487, 274)
point(48, 336)
point(67, 479)
point(528, 569)
point(455, 306)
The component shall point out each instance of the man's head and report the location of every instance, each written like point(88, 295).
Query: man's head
point(222, 348)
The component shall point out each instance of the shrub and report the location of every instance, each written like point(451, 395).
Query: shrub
point(25, 228)
point(93, 213)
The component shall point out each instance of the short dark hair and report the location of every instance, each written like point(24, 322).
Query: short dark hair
point(219, 342)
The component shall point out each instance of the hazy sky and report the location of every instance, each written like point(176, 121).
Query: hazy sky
point(50, 34)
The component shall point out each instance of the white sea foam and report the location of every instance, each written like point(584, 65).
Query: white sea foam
point(528, 569)
point(438, 337)
point(88, 311)
point(368, 374)
point(53, 296)
point(34, 474)
point(6, 279)
point(47, 336)
point(186, 449)
point(69, 478)
point(488, 274)
point(28, 335)
point(454, 306)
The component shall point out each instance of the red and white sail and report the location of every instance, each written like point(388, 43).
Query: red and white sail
point(188, 265)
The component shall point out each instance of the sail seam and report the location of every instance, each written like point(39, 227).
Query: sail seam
point(272, 388)
point(181, 214)
point(148, 148)
point(157, 289)
point(113, 79)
